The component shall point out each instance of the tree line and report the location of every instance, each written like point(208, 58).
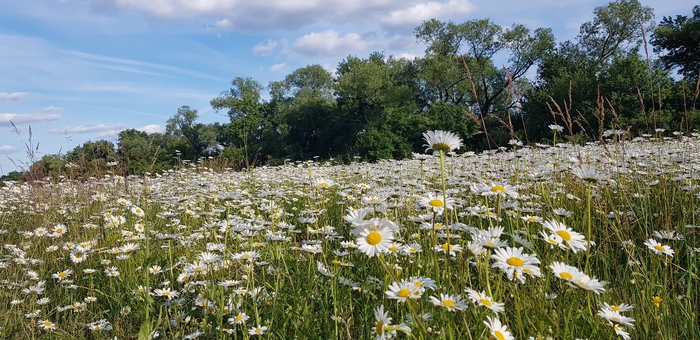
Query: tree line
point(377, 107)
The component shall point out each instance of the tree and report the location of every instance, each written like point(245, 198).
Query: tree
point(200, 136)
point(243, 105)
point(678, 41)
point(614, 25)
point(474, 43)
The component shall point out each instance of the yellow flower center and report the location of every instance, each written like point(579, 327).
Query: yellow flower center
point(566, 276)
point(486, 302)
point(498, 188)
point(564, 234)
point(660, 248)
point(441, 147)
point(379, 328)
point(446, 246)
point(515, 261)
point(403, 293)
point(448, 303)
point(499, 335)
point(393, 248)
point(47, 323)
point(374, 238)
point(616, 308)
point(436, 203)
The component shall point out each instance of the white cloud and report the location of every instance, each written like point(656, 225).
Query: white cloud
point(277, 67)
point(12, 96)
point(6, 118)
point(265, 48)
point(329, 43)
point(224, 24)
point(420, 12)
point(52, 108)
point(152, 128)
point(5, 149)
point(85, 128)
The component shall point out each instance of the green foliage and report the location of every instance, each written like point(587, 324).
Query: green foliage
point(678, 41)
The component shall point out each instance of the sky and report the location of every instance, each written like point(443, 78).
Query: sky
point(83, 70)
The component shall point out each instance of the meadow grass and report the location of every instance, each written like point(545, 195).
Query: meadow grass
point(562, 242)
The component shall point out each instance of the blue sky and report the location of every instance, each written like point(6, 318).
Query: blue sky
point(79, 70)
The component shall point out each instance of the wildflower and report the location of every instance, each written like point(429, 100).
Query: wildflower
point(239, 319)
point(588, 174)
point(422, 282)
point(77, 256)
point(658, 248)
point(563, 212)
point(498, 330)
point(556, 127)
point(657, 301)
point(323, 270)
point(623, 307)
point(439, 140)
point(494, 189)
point(615, 317)
point(450, 302)
point(621, 332)
point(565, 271)
point(402, 291)
point(585, 282)
point(112, 271)
point(137, 211)
point(258, 330)
point(382, 321)
point(373, 241)
point(512, 262)
point(446, 247)
point(129, 247)
point(59, 230)
point(60, 276)
point(663, 234)
point(167, 292)
point(574, 240)
point(436, 202)
point(155, 269)
point(482, 299)
point(47, 325)
point(100, 325)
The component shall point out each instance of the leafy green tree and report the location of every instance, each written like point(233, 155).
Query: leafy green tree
point(243, 105)
point(458, 67)
point(615, 25)
point(678, 42)
point(603, 71)
point(200, 136)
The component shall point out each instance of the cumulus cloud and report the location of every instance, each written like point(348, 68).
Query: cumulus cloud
point(277, 67)
point(5, 149)
point(152, 128)
point(85, 128)
point(52, 108)
point(6, 118)
point(12, 96)
point(261, 15)
point(224, 24)
point(329, 43)
point(265, 48)
point(416, 14)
